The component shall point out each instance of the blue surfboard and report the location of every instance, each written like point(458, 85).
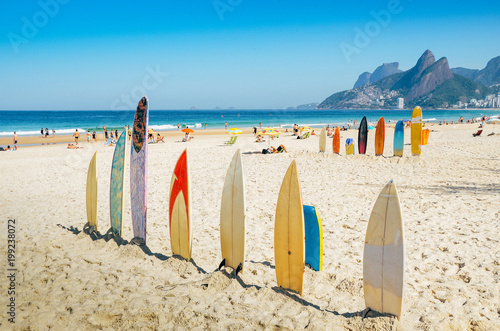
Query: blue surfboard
point(399, 138)
point(314, 238)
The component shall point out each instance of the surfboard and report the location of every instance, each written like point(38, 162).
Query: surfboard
point(399, 138)
point(380, 137)
point(232, 215)
point(416, 131)
point(322, 140)
point(336, 141)
point(289, 251)
point(181, 231)
point(383, 257)
point(116, 195)
point(91, 193)
point(362, 136)
point(138, 171)
point(349, 146)
point(313, 238)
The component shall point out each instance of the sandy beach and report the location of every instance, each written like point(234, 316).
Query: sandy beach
point(65, 280)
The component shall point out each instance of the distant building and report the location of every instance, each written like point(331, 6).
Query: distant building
point(401, 103)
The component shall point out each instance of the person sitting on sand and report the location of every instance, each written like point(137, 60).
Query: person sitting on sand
point(260, 139)
point(187, 137)
point(72, 146)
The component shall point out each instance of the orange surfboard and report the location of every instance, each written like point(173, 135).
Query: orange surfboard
point(336, 141)
point(380, 137)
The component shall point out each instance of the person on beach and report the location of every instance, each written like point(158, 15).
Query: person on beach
point(46, 132)
point(15, 138)
point(178, 126)
point(105, 134)
point(41, 132)
point(94, 137)
point(88, 137)
point(225, 125)
point(206, 125)
point(71, 146)
point(116, 134)
point(76, 135)
point(53, 133)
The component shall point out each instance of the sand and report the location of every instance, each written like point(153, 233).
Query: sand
point(65, 280)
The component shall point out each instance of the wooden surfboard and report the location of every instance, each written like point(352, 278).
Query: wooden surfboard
point(313, 238)
point(289, 251)
point(362, 136)
point(399, 138)
point(383, 257)
point(116, 195)
point(91, 193)
point(336, 141)
point(138, 171)
point(181, 231)
point(322, 140)
point(380, 137)
point(416, 131)
point(232, 215)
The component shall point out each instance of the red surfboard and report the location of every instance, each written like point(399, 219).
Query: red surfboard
point(180, 209)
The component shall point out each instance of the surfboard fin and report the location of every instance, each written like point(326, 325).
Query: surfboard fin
point(111, 233)
point(137, 241)
point(238, 269)
point(222, 264)
point(88, 229)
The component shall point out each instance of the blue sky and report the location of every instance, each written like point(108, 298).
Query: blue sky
point(69, 54)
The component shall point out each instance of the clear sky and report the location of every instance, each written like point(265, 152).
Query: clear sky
point(71, 54)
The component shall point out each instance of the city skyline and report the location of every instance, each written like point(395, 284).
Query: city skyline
point(62, 54)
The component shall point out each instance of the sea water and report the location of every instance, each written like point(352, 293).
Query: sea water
point(65, 122)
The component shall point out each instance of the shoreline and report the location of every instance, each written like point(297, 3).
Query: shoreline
point(37, 141)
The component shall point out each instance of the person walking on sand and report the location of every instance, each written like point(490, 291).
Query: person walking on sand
point(94, 137)
point(53, 133)
point(225, 125)
point(178, 126)
point(88, 137)
point(46, 132)
point(15, 138)
point(76, 135)
point(41, 132)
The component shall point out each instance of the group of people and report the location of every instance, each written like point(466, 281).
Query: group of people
point(46, 134)
point(8, 148)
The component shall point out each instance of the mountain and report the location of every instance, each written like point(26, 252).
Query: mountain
point(429, 83)
point(489, 76)
point(381, 72)
point(467, 73)
point(306, 106)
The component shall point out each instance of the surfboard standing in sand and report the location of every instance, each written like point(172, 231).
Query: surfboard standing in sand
point(232, 216)
point(181, 229)
point(383, 257)
point(116, 195)
point(138, 171)
point(289, 248)
point(362, 136)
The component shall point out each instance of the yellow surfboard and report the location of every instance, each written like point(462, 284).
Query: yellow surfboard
point(289, 247)
point(322, 140)
point(92, 193)
point(416, 131)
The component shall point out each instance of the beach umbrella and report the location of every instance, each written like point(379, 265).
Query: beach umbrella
point(271, 132)
point(305, 128)
point(234, 131)
point(187, 130)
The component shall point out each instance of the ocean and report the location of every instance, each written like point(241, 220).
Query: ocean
point(65, 122)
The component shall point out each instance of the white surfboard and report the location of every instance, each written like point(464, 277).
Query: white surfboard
point(383, 258)
point(232, 215)
point(322, 140)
